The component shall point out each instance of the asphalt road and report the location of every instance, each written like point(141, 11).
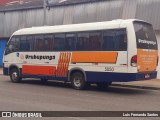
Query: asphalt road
point(31, 95)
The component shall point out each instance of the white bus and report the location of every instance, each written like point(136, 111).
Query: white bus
point(100, 53)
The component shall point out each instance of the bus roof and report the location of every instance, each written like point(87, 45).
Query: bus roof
point(74, 27)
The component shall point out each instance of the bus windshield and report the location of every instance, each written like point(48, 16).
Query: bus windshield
point(145, 35)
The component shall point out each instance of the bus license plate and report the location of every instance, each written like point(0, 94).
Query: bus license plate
point(147, 76)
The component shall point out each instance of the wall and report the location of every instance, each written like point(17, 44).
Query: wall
point(79, 13)
point(2, 48)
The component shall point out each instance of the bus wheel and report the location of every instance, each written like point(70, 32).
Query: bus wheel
point(103, 85)
point(14, 75)
point(78, 81)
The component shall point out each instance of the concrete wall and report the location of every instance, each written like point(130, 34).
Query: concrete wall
point(2, 48)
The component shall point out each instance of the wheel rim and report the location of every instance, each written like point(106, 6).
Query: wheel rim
point(14, 76)
point(77, 81)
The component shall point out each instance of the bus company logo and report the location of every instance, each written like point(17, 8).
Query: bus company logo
point(22, 56)
point(17, 54)
point(40, 57)
point(146, 42)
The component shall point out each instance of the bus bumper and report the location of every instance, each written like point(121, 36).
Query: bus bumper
point(119, 77)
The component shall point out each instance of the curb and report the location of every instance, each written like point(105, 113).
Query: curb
point(136, 86)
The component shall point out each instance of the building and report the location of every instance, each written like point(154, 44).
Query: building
point(16, 14)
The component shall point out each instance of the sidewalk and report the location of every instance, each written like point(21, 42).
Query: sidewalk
point(147, 84)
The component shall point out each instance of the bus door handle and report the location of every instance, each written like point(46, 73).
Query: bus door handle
point(46, 62)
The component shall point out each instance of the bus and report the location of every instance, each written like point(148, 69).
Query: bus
point(90, 53)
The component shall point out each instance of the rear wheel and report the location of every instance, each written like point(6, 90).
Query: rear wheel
point(14, 75)
point(78, 81)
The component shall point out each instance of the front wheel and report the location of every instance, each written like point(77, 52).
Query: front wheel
point(14, 75)
point(78, 81)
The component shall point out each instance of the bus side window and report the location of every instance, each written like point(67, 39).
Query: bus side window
point(95, 41)
point(30, 43)
point(59, 44)
point(114, 40)
point(38, 43)
point(70, 42)
point(121, 40)
point(23, 45)
point(13, 45)
point(108, 40)
point(83, 43)
point(48, 42)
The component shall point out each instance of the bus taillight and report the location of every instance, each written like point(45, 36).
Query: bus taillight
point(134, 61)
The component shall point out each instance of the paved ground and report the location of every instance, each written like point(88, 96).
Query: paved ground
point(147, 84)
point(31, 95)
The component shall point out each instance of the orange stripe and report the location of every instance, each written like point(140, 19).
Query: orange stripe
point(63, 63)
point(39, 70)
point(94, 57)
point(62, 67)
point(59, 65)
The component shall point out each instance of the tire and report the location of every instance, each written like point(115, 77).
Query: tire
point(78, 81)
point(14, 75)
point(103, 85)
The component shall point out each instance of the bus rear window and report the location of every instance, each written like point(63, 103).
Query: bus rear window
point(145, 35)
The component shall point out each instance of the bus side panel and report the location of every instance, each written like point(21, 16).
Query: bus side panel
point(132, 47)
point(100, 66)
